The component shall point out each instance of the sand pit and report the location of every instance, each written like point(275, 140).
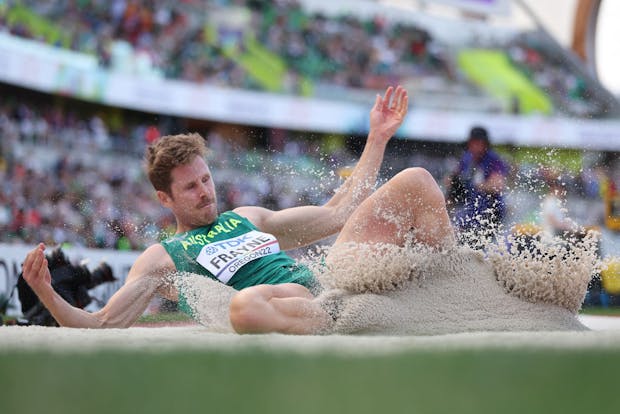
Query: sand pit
point(415, 290)
point(605, 334)
point(402, 299)
point(452, 291)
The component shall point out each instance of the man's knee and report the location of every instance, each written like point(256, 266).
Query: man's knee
point(417, 180)
point(246, 308)
point(416, 175)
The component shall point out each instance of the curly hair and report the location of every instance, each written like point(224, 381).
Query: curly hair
point(169, 152)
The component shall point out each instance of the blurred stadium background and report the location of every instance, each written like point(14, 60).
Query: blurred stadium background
point(281, 90)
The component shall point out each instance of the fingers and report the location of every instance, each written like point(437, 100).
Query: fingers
point(395, 99)
point(378, 103)
point(35, 264)
point(386, 100)
point(30, 263)
point(403, 102)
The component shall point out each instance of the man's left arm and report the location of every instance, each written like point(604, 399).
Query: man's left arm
point(300, 226)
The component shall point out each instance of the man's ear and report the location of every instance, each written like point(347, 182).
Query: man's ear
point(164, 198)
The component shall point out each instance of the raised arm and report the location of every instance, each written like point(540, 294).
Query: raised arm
point(299, 226)
point(124, 307)
point(386, 116)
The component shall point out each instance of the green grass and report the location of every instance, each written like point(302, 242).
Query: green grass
point(610, 311)
point(478, 381)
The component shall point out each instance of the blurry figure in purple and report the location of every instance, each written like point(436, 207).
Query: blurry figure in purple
point(475, 188)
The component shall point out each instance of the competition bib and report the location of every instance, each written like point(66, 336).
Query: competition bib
point(224, 258)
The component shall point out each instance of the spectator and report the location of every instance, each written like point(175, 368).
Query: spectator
point(80, 196)
point(475, 188)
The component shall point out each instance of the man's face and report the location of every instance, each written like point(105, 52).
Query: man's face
point(477, 148)
point(192, 197)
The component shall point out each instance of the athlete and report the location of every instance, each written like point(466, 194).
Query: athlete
point(244, 248)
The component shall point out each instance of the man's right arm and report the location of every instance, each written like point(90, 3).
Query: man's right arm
point(145, 278)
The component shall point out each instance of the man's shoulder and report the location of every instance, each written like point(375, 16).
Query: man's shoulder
point(157, 254)
point(156, 248)
point(253, 214)
point(154, 261)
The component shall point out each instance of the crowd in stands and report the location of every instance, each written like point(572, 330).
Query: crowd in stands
point(568, 89)
point(71, 179)
point(77, 178)
point(180, 40)
point(348, 51)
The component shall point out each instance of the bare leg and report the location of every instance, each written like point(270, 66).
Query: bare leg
point(410, 201)
point(285, 308)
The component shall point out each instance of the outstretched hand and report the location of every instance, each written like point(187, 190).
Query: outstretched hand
point(389, 112)
point(35, 270)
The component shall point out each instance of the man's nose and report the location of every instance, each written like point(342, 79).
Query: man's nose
point(204, 189)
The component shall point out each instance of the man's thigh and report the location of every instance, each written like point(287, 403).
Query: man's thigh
point(410, 202)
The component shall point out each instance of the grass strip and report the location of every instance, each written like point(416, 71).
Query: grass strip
point(477, 381)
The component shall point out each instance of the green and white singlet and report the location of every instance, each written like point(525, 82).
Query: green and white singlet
point(233, 251)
